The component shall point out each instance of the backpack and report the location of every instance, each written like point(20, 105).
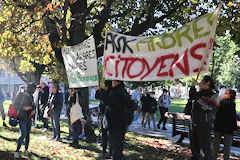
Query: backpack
point(13, 112)
point(13, 116)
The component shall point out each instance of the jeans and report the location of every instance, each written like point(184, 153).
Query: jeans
point(2, 112)
point(25, 129)
point(227, 144)
point(55, 118)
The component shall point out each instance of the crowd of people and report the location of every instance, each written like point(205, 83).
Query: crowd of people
point(209, 112)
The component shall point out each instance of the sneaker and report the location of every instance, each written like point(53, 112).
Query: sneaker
point(26, 153)
point(158, 125)
point(164, 128)
point(16, 155)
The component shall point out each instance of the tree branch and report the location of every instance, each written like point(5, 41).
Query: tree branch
point(23, 28)
point(14, 67)
point(98, 28)
point(139, 28)
point(32, 6)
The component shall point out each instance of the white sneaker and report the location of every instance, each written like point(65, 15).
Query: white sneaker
point(16, 155)
point(26, 153)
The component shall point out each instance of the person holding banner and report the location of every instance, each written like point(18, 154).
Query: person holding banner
point(204, 106)
point(76, 116)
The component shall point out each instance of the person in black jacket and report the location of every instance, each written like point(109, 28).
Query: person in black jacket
point(225, 123)
point(55, 103)
point(149, 107)
point(26, 109)
point(43, 101)
point(118, 117)
point(205, 102)
point(102, 94)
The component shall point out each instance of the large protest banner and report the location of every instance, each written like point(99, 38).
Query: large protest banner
point(81, 64)
point(175, 54)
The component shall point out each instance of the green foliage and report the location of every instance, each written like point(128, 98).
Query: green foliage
point(24, 32)
point(226, 64)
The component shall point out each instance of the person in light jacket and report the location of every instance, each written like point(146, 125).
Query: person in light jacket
point(164, 103)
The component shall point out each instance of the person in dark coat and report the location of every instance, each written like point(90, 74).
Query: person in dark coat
point(225, 123)
point(25, 107)
point(55, 103)
point(102, 94)
point(149, 106)
point(43, 101)
point(205, 102)
point(118, 119)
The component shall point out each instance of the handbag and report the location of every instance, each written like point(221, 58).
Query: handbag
point(76, 111)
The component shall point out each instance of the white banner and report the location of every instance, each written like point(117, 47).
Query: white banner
point(81, 64)
point(172, 55)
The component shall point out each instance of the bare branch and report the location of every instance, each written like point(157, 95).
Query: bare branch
point(14, 67)
point(139, 28)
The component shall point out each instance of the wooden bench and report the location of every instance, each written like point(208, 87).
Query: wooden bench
point(181, 123)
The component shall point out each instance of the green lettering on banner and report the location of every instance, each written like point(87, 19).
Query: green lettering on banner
point(144, 41)
point(74, 78)
point(183, 34)
point(171, 45)
point(197, 30)
point(210, 21)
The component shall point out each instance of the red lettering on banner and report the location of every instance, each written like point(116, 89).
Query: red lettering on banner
point(171, 66)
point(125, 66)
point(162, 66)
point(105, 65)
point(116, 67)
point(151, 69)
point(184, 69)
point(195, 55)
point(125, 59)
point(210, 43)
point(141, 60)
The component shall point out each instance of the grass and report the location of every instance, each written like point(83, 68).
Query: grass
point(137, 147)
point(178, 105)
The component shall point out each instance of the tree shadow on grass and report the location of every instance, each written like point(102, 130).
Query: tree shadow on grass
point(8, 139)
point(9, 155)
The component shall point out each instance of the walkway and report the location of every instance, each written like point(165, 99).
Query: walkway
point(167, 134)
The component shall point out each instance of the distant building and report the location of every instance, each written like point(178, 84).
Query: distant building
point(9, 83)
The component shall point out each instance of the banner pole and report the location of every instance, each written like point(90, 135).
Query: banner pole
point(105, 42)
point(212, 33)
